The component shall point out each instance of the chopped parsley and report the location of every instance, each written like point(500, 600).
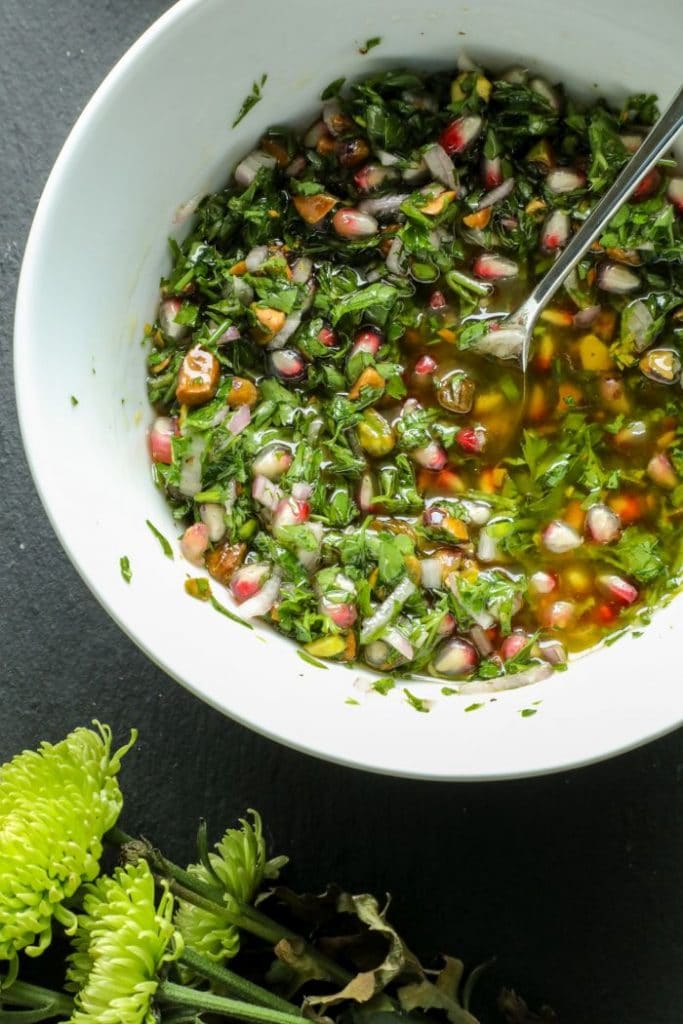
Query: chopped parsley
point(126, 571)
point(165, 546)
point(250, 101)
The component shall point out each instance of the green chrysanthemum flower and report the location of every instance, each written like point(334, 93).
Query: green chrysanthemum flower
point(239, 866)
point(56, 803)
point(122, 940)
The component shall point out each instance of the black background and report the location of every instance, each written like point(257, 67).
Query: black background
point(574, 881)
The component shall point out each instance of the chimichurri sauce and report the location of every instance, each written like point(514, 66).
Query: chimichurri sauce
point(342, 449)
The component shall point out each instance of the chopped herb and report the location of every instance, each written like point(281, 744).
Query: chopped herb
point(228, 614)
point(352, 701)
point(126, 571)
point(74, 401)
point(528, 712)
point(250, 101)
point(474, 707)
point(370, 44)
point(165, 546)
point(384, 685)
point(448, 691)
point(416, 702)
point(305, 656)
point(333, 89)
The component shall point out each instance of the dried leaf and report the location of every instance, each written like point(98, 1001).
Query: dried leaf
point(441, 994)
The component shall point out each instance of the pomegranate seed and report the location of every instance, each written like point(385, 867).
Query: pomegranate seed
point(195, 542)
point(512, 645)
point(327, 337)
point(370, 177)
point(491, 267)
point(447, 625)
point(612, 277)
point(456, 658)
point(425, 366)
point(618, 589)
point(645, 188)
point(457, 135)
point(560, 537)
point(343, 615)
point(661, 471)
point(287, 364)
point(604, 614)
point(163, 429)
point(247, 581)
point(432, 456)
point(555, 231)
point(472, 439)
point(168, 311)
point(563, 179)
point(674, 193)
point(560, 615)
point(603, 525)
point(542, 582)
point(437, 300)
point(291, 512)
point(369, 339)
point(492, 173)
point(351, 223)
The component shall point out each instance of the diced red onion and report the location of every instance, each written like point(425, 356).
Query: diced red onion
point(266, 492)
point(194, 543)
point(309, 557)
point(440, 165)
point(399, 642)
point(615, 278)
point(585, 317)
point(527, 677)
point(191, 469)
point(555, 231)
point(383, 206)
point(455, 658)
point(414, 173)
point(256, 257)
point(496, 194)
point(168, 311)
point(503, 343)
point(617, 588)
point(559, 537)
point(248, 580)
point(213, 517)
point(240, 419)
point(458, 135)
point(447, 625)
point(430, 569)
point(465, 62)
point(296, 167)
point(393, 259)
point(631, 142)
point(366, 493)
point(387, 610)
point(553, 651)
point(492, 267)
point(480, 639)
point(230, 496)
point(545, 89)
point(232, 333)
point(563, 179)
point(247, 169)
point(262, 602)
point(603, 525)
point(387, 159)
point(302, 269)
point(186, 209)
point(472, 439)
point(368, 339)
point(291, 324)
point(161, 434)
point(314, 134)
point(487, 547)
point(302, 490)
point(478, 512)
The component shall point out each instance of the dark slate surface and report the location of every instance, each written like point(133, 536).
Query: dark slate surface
point(573, 881)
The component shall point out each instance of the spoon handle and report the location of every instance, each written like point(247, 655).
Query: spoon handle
point(654, 145)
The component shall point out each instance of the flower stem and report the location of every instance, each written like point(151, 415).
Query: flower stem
point(43, 1002)
point(235, 985)
point(179, 995)
point(211, 897)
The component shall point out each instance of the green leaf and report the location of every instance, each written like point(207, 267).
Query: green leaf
point(126, 571)
point(165, 546)
point(250, 101)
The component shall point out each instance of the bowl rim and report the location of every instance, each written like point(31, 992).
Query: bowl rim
point(613, 745)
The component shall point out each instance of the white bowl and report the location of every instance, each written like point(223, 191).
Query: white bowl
point(156, 133)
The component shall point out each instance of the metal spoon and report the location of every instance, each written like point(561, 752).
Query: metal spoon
point(520, 324)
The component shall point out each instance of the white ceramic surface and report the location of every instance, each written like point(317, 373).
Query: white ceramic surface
point(156, 133)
